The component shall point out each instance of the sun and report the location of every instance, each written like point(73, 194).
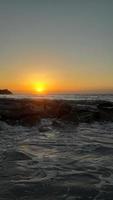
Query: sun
point(40, 87)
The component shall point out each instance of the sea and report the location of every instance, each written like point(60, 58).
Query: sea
point(66, 162)
point(92, 97)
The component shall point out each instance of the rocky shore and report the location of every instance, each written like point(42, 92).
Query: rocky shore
point(56, 149)
point(29, 112)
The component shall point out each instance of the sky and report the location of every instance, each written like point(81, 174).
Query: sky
point(56, 45)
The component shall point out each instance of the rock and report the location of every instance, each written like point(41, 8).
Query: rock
point(29, 112)
point(64, 110)
point(44, 128)
point(86, 117)
point(3, 125)
point(57, 123)
point(15, 155)
point(30, 120)
point(45, 125)
point(105, 105)
point(5, 91)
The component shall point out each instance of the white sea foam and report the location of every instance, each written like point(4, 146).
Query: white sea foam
point(74, 157)
point(106, 97)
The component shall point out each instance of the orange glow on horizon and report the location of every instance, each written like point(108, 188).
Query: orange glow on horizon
point(39, 87)
point(47, 83)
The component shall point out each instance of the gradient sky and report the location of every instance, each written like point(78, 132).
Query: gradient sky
point(67, 45)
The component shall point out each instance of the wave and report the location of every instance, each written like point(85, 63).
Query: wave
point(66, 162)
point(92, 97)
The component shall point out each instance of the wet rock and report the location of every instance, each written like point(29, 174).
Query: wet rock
point(44, 128)
point(15, 155)
point(64, 110)
point(57, 123)
point(106, 115)
point(87, 118)
point(105, 105)
point(4, 125)
point(29, 112)
point(30, 120)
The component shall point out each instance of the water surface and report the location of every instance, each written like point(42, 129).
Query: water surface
point(67, 162)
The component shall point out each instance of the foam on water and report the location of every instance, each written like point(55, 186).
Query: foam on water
point(106, 97)
point(73, 162)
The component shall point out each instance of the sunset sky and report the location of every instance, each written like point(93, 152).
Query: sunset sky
point(56, 45)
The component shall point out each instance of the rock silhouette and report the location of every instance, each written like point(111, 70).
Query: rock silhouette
point(5, 91)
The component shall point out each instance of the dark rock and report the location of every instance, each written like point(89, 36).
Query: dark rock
point(44, 128)
point(15, 155)
point(63, 110)
point(29, 112)
point(105, 105)
point(45, 125)
point(57, 123)
point(97, 116)
point(86, 117)
point(30, 120)
point(5, 91)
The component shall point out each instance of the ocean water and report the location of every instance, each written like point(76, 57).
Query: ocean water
point(66, 162)
point(71, 162)
point(106, 97)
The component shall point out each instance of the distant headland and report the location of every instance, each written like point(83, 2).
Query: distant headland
point(5, 91)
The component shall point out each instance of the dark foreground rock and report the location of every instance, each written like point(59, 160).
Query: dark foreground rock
point(15, 155)
point(5, 91)
point(30, 112)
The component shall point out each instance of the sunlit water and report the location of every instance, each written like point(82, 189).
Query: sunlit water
point(68, 162)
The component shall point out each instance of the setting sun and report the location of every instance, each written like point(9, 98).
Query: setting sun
point(40, 87)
